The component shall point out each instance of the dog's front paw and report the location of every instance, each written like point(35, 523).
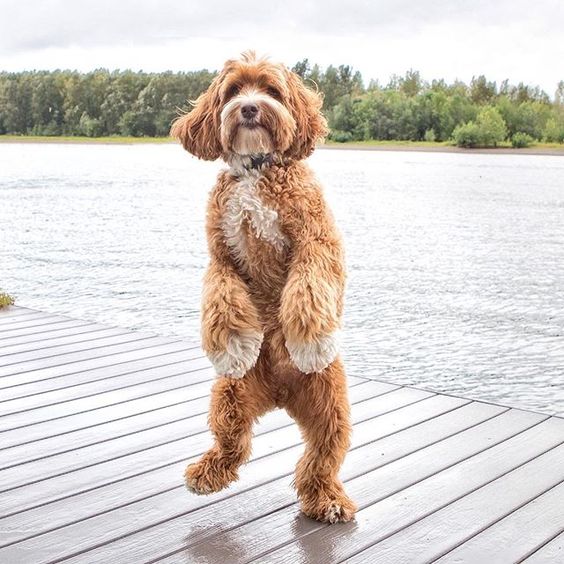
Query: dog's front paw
point(208, 476)
point(241, 355)
point(316, 355)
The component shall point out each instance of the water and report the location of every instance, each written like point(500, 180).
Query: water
point(456, 261)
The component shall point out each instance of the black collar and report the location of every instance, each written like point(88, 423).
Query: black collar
point(257, 162)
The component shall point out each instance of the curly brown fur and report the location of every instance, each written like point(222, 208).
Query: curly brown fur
point(273, 290)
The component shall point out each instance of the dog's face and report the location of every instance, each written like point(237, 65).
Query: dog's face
point(253, 107)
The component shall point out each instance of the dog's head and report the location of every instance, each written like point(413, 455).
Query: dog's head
point(253, 107)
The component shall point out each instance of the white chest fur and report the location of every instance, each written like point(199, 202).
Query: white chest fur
point(246, 205)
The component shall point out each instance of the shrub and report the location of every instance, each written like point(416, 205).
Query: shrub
point(50, 128)
point(340, 136)
point(430, 135)
point(491, 126)
point(137, 124)
point(466, 135)
point(5, 300)
point(488, 130)
point(553, 132)
point(91, 127)
point(521, 140)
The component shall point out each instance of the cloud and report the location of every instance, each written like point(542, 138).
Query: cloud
point(41, 24)
point(441, 38)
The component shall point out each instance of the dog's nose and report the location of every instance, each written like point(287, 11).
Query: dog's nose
point(249, 111)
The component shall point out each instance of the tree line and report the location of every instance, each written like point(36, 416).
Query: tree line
point(106, 103)
point(94, 104)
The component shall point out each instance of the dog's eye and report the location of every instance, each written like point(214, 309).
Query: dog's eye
point(274, 92)
point(232, 91)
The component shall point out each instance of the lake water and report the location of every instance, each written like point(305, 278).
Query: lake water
point(456, 261)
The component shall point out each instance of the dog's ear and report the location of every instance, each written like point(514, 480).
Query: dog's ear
point(311, 126)
point(198, 129)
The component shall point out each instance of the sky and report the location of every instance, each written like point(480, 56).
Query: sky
point(515, 39)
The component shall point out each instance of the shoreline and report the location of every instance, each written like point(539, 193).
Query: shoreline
point(415, 146)
point(540, 150)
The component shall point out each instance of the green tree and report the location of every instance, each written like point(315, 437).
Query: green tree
point(553, 131)
point(302, 68)
point(532, 117)
point(344, 120)
point(488, 130)
point(411, 84)
point(559, 94)
point(144, 104)
point(337, 82)
point(491, 126)
point(89, 126)
point(467, 135)
point(481, 90)
point(521, 140)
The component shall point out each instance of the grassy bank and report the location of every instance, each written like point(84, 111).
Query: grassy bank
point(431, 146)
point(447, 147)
point(377, 144)
point(113, 140)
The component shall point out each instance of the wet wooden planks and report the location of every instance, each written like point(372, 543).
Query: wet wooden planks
point(98, 423)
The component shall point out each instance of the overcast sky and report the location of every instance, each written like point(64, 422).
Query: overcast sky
point(516, 39)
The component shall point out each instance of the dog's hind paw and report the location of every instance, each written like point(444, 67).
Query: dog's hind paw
point(337, 513)
point(195, 488)
point(329, 509)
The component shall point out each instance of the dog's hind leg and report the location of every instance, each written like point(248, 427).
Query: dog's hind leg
point(236, 403)
point(321, 408)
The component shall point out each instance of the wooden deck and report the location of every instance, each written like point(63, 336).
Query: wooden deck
point(98, 423)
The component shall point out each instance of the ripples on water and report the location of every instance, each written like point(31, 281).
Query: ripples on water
point(456, 261)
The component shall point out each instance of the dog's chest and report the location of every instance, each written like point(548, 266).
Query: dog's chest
point(247, 216)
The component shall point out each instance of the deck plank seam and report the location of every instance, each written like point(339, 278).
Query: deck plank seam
point(22, 315)
point(469, 492)
point(45, 315)
point(501, 518)
point(134, 414)
point(153, 446)
point(175, 461)
point(98, 357)
point(540, 547)
point(111, 390)
point(151, 427)
point(486, 401)
point(69, 431)
point(395, 492)
point(16, 310)
point(352, 477)
point(119, 374)
point(6, 356)
point(100, 326)
point(97, 380)
point(265, 482)
point(203, 368)
point(88, 445)
point(104, 406)
point(78, 325)
point(54, 321)
point(166, 422)
point(9, 325)
point(32, 348)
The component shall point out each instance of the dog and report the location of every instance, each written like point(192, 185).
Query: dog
point(273, 290)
